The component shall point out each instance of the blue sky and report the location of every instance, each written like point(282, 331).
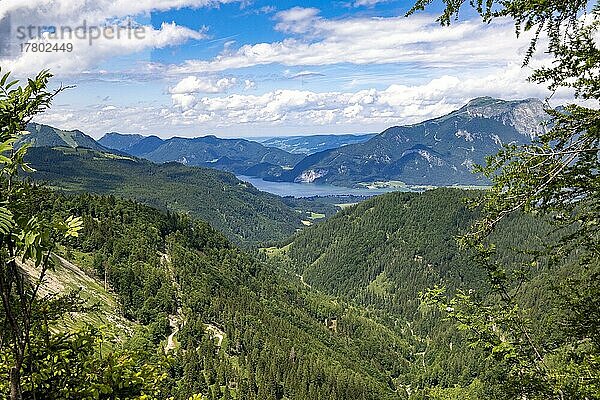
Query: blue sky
point(260, 68)
point(254, 23)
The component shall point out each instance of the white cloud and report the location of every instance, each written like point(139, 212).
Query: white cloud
point(302, 74)
point(266, 10)
point(85, 55)
point(97, 13)
point(367, 3)
point(397, 104)
point(70, 11)
point(367, 41)
point(193, 84)
point(296, 20)
point(183, 100)
point(488, 56)
point(182, 94)
point(295, 111)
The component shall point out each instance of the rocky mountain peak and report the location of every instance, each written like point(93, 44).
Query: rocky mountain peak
point(527, 116)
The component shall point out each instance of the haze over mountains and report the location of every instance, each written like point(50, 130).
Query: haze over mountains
point(311, 144)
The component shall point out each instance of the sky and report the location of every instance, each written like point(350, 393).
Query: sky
point(255, 68)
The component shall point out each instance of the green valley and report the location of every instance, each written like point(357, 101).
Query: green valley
point(273, 334)
point(140, 267)
point(243, 213)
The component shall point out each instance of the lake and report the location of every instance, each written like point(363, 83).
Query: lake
point(313, 189)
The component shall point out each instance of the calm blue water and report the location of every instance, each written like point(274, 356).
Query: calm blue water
point(311, 189)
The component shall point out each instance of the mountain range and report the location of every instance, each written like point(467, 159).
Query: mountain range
point(75, 163)
point(240, 156)
point(48, 136)
point(243, 213)
point(440, 151)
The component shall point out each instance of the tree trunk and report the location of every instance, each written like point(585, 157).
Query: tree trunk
point(15, 382)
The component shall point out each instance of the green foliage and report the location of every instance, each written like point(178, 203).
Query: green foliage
point(73, 366)
point(274, 334)
point(556, 177)
point(23, 238)
point(472, 392)
point(244, 214)
point(37, 360)
point(386, 250)
point(383, 252)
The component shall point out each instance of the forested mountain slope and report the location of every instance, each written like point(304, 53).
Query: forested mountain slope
point(441, 151)
point(48, 136)
point(240, 211)
point(240, 156)
point(132, 144)
point(244, 332)
point(384, 253)
point(386, 250)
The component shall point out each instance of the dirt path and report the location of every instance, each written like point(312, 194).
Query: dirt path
point(176, 321)
point(215, 333)
point(302, 280)
point(174, 324)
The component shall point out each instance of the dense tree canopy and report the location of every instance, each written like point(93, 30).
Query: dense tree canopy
point(557, 176)
point(210, 320)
